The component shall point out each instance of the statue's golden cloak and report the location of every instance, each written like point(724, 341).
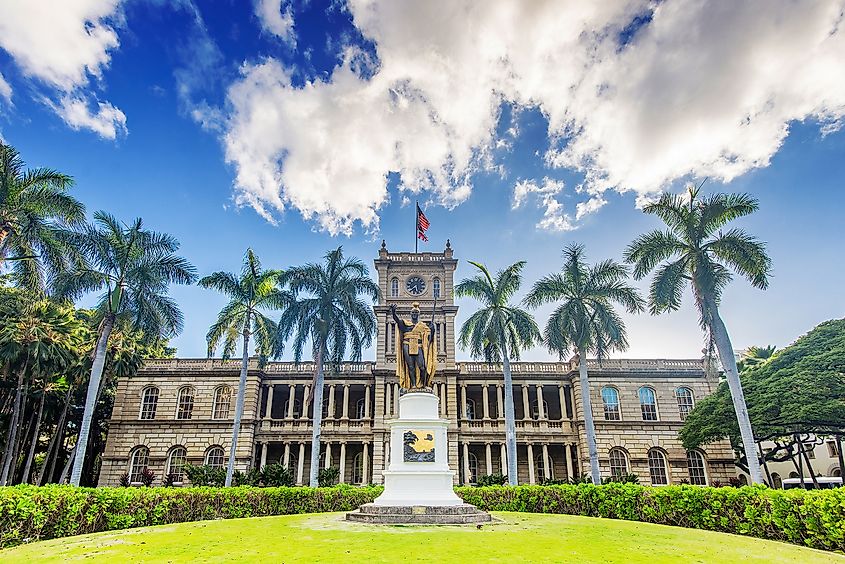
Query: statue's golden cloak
point(417, 336)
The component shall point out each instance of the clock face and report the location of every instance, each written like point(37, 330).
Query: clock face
point(415, 285)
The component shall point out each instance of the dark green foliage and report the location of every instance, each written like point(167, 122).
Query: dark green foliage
point(124, 480)
point(328, 476)
point(800, 388)
point(276, 475)
point(169, 480)
point(147, 477)
point(492, 480)
point(624, 479)
point(205, 475)
point(811, 518)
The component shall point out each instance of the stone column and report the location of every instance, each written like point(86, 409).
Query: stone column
point(573, 456)
point(526, 406)
point(305, 391)
point(268, 413)
point(541, 410)
point(386, 453)
point(328, 455)
point(365, 460)
point(342, 477)
point(489, 454)
point(366, 401)
point(345, 402)
point(546, 470)
point(463, 402)
point(503, 458)
point(388, 399)
point(331, 412)
point(291, 401)
point(286, 456)
point(531, 479)
point(300, 466)
point(467, 475)
point(561, 395)
point(442, 398)
point(500, 402)
point(263, 455)
point(486, 399)
point(396, 393)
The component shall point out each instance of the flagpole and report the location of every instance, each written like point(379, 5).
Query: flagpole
point(416, 227)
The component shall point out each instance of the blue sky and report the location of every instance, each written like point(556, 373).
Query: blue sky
point(294, 127)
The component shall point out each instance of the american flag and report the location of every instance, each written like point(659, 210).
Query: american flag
point(422, 224)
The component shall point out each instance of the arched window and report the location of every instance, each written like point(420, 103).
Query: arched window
point(540, 465)
point(435, 285)
point(657, 467)
point(685, 401)
point(535, 412)
point(777, 482)
point(185, 403)
point(744, 481)
point(358, 468)
point(222, 402)
point(473, 469)
point(470, 414)
point(793, 474)
point(296, 405)
point(837, 472)
point(697, 468)
point(360, 409)
point(648, 404)
point(618, 462)
point(394, 288)
point(610, 399)
point(149, 403)
point(215, 457)
point(138, 460)
point(176, 463)
point(293, 459)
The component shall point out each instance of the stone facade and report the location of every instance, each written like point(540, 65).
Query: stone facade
point(361, 397)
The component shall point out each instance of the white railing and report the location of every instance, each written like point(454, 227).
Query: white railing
point(270, 367)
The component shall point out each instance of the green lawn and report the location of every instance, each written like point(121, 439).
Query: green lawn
point(327, 538)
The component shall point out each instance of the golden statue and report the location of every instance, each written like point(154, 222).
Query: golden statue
point(416, 361)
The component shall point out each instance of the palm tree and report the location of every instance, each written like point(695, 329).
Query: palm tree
point(133, 267)
point(253, 291)
point(334, 317)
point(754, 356)
point(695, 250)
point(498, 332)
point(35, 208)
point(585, 320)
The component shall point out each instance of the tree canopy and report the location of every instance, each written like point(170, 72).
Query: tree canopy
point(801, 389)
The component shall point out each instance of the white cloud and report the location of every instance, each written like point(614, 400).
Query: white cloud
point(592, 205)
point(703, 89)
point(5, 90)
point(276, 17)
point(554, 217)
point(107, 121)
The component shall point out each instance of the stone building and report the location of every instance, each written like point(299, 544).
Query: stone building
point(180, 410)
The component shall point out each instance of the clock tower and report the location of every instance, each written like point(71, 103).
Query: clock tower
point(427, 278)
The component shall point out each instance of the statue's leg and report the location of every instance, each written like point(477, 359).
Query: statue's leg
point(423, 372)
point(409, 364)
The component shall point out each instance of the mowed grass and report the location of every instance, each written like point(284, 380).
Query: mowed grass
point(518, 537)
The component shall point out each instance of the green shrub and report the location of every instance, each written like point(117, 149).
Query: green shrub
point(205, 475)
point(328, 476)
point(625, 479)
point(492, 480)
point(276, 475)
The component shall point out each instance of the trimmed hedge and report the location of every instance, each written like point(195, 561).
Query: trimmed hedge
point(814, 518)
point(811, 518)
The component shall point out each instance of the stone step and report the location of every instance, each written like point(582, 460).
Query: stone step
point(462, 509)
point(419, 518)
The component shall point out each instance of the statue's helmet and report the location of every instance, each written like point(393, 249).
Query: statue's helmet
point(415, 308)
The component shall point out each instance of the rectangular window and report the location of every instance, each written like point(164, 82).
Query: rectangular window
point(831, 449)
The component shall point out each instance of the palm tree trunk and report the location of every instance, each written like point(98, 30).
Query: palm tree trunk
point(510, 418)
point(50, 459)
point(317, 420)
point(841, 457)
point(810, 469)
point(239, 406)
point(11, 438)
point(589, 424)
point(68, 462)
point(31, 454)
point(726, 355)
point(91, 399)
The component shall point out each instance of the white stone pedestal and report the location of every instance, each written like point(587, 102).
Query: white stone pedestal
point(411, 482)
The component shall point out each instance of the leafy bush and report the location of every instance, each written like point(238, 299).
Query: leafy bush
point(625, 479)
point(205, 475)
point(492, 480)
point(328, 476)
point(147, 477)
point(276, 475)
point(123, 480)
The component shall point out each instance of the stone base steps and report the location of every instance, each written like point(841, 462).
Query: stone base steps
point(463, 514)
